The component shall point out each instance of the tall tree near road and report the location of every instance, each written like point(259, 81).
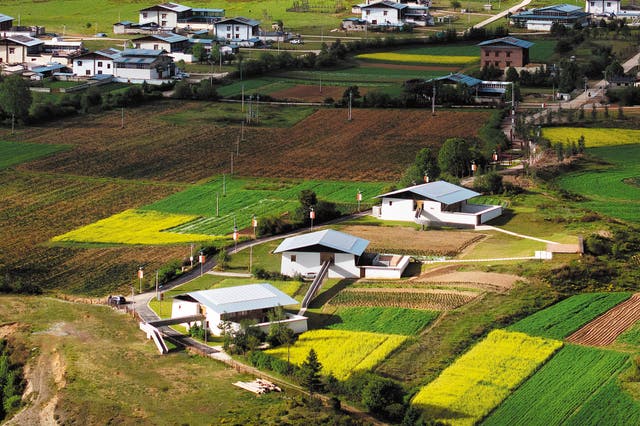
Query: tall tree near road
point(15, 98)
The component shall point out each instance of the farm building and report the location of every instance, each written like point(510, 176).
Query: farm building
point(543, 18)
point(440, 203)
point(95, 63)
point(6, 22)
point(138, 65)
point(235, 304)
point(478, 88)
point(128, 27)
point(504, 52)
point(237, 29)
point(341, 253)
point(174, 15)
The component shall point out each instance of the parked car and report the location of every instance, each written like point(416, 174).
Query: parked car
point(116, 300)
point(101, 35)
point(296, 41)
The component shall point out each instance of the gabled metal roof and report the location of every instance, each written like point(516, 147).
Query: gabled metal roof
point(239, 20)
point(5, 18)
point(167, 37)
point(467, 80)
point(25, 40)
point(512, 41)
point(142, 52)
point(240, 298)
point(387, 4)
point(440, 191)
point(328, 238)
point(174, 7)
point(49, 67)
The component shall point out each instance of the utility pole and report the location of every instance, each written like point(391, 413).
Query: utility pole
point(433, 100)
point(217, 204)
point(157, 294)
point(122, 119)
point(242, 98)
point(224, 185)
point(231, 163)
point(350, 99)
point(257, 108)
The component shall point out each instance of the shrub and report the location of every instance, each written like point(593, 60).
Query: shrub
point(380, 393)
point(488, 183)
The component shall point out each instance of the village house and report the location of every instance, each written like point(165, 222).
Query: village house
point(95, 63)
point(143, 65)
point(435, 203)
point(602, 7)
point(174, 15)
point(504, 52)
point(21, 49)
point(128, 27)
point(338, 254)
point(480, 89)
point(237, 29)
point(251, 302)
point(168, 42)
point(392, 14)
point(543, 18)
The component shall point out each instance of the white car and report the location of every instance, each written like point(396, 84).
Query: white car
point(296, 41)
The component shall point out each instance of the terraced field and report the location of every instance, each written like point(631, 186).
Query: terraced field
point(411, 298)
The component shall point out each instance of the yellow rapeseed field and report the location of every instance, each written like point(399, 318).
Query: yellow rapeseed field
point(134, 227)
point(593, 137)
point(482, 378)
point(422, 59)
point(342, 352)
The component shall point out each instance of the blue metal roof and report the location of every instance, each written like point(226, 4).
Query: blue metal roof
point(200, 41)
point(202, 9)
point(467, 80)
point(49, 67)
point(329, 238)
point(387, 4)
point(567, 11)
point(5, 18)
point(142, 52)
point(240, 20)
point(440, 191)
point(508, 40)
point(169, 37)
point(240, 298)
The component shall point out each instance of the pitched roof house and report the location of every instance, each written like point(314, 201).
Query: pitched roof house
point(234, 304)
point(95, 63)
point(438, 203)
point(139, 65)
point(237, 29)
point(20, 49)
point(504, 52)
point(173, 15)
point(169, 42)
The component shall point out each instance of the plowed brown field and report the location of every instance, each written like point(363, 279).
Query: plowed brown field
point(377, 145)
point(604, 330)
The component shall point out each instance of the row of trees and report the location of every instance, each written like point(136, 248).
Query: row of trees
point(11, 382)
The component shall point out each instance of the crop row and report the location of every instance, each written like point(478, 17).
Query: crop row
point(478, 381)
point(134, 227)
point(560, 387)
point(437, 300)
point(418, 58)
point(341, 352)
point(383, 320)
point(563, 318)
point(593, 137)
point(611, 405)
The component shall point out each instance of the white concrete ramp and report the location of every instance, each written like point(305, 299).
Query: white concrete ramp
point(154, 333)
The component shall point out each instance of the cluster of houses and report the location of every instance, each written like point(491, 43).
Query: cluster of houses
point(168, 33)
point(332, 254)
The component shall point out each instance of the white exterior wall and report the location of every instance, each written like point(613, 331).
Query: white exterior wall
point(375, 15)
point(94, 66)
point(153, 45)
point(344, 267)
point(179, 56)
point(182, 308)
point(397, 209)
point(599, 7)
point(235, 30)
point(170, 19)
point(305, 263)
point(136, 74)
point(297, 323)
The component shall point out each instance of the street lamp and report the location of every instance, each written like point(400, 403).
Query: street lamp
point(201, 259)
point(235, 236)
point(140, 276)
point(312, 215)
point(359, 198)
point(474, 167)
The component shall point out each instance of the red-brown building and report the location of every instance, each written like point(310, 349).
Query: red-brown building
point(504, 52)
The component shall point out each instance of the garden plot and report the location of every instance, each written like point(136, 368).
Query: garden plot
point(406, 297)
point(486, 281)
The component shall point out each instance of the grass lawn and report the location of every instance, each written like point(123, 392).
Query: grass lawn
point(499, 245)
point(12, 153)
point(383, 320)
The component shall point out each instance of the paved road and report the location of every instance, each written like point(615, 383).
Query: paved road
point(502, 14)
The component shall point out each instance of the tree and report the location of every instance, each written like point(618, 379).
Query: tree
point(199, 52)
point(455, 156)
point(15, 98)
point(279, 333)
point(380, 393)
point(512, 74)
point(308, 200)
point(310, 372)
point(223, 258)
point(425, 164)
point(182, 90)
point(455, 4)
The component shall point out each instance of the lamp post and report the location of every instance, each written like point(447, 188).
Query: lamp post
point(235, 236)
point(474, 167)
point(201, 259)
point(254, 224)
point(359, 198)
point(140, 276)
point(312, 215)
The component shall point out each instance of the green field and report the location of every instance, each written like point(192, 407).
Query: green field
point(560, 388)
point(611, 190)
point(246, 197)
point(364, 75)
point(69, 16)
point(383, 320)
point(611, 405)
point(12, 153)
point(232, 114)
point(563, 318)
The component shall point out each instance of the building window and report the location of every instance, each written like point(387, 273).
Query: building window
point(155, 47)
point(593, 3)
point(163, 23)
point(385, 13)
point(486, 53)
point(12, 50)
point(495, 53)
point(144, 14)
point(608, 4)
point(390, 203)
point(79, 63)
point(108, 66)
point(228, 27)
point(164, 16)
point(508, 53)
point(237, 28)
point(508, 63)
point(368, 12)
point(99, 71)
point(294, 258)
point(228, 35)
point(100, 64)
point(496, 64)
point(87, 72)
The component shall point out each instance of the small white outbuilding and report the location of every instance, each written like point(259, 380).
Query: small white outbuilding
point(234, 304)
point(305, 254)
